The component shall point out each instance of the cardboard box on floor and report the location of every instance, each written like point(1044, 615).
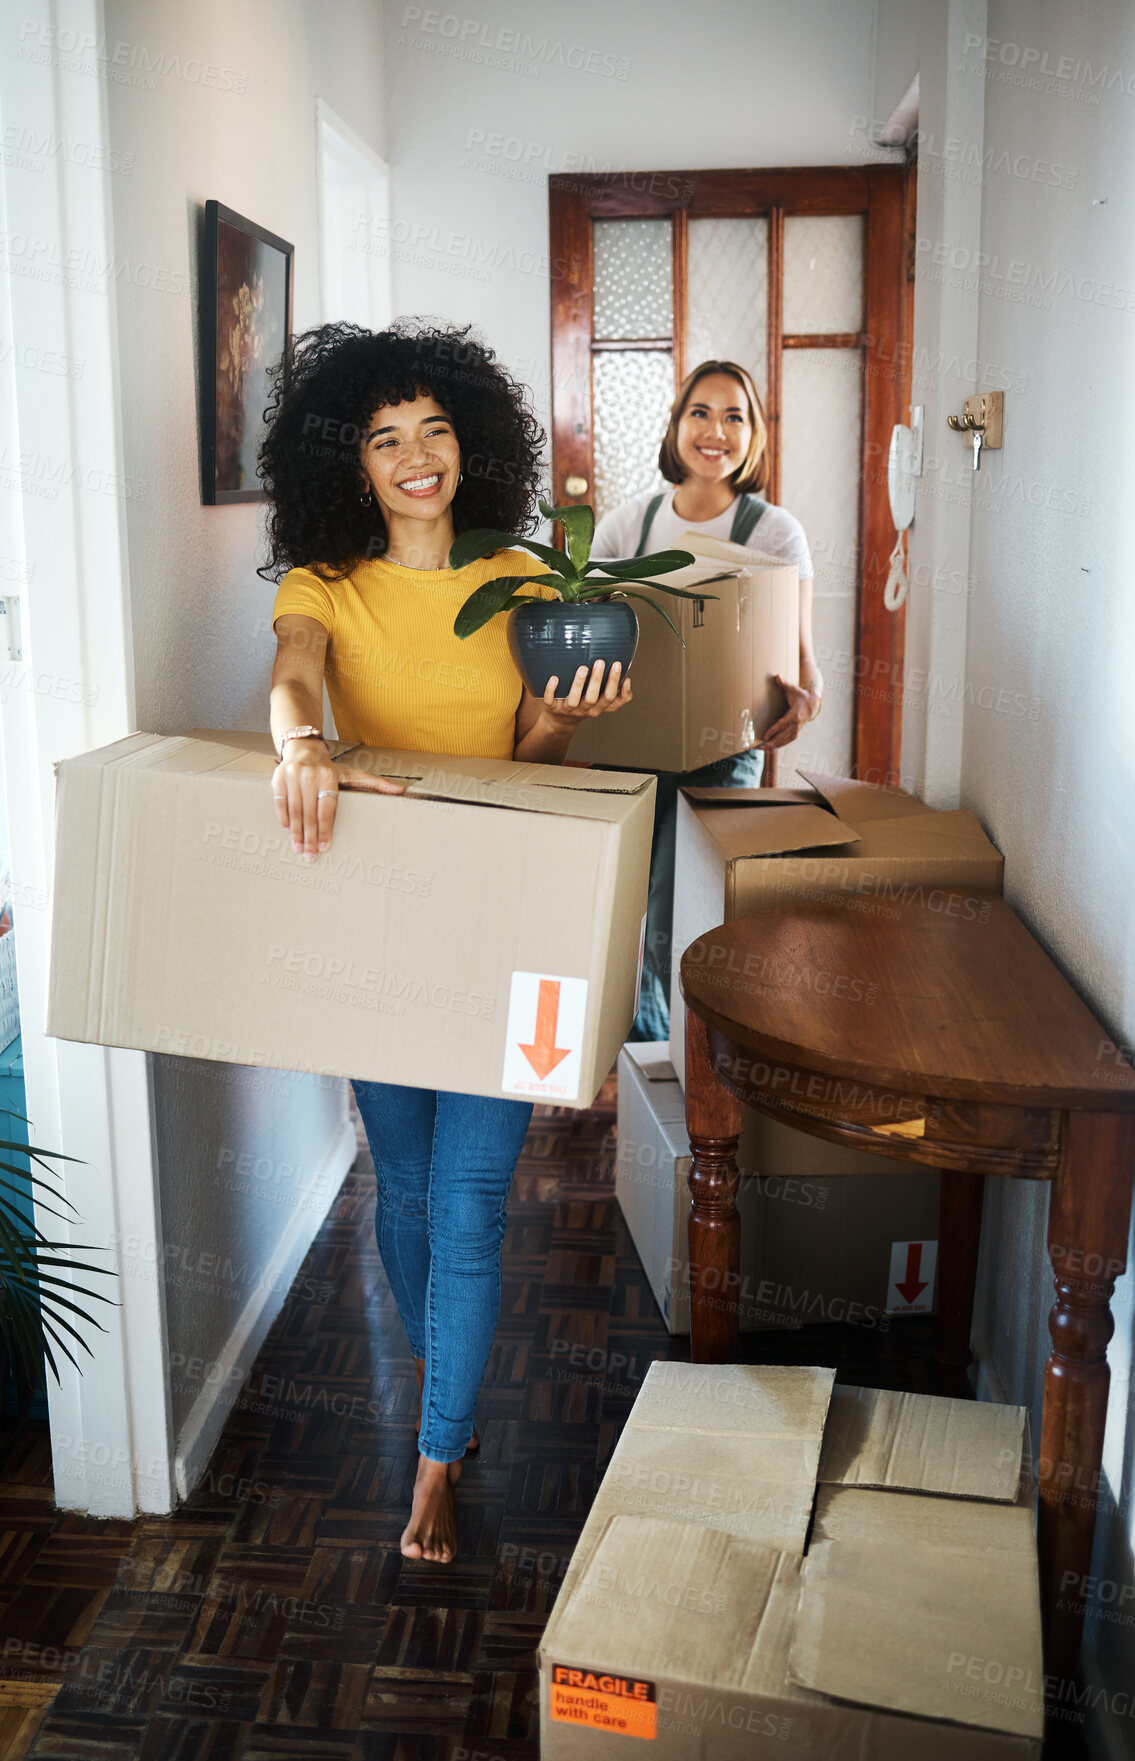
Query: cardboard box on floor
point(709, 699)
point(481, 932)
point(699, 1611)
point(813, 1248)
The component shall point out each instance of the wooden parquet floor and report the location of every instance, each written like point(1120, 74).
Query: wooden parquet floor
point(272, 1615)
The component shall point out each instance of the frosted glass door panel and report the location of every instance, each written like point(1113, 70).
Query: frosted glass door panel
point(821, 422)
point(823, 274)
point(728, 295)
point(634, 279)
point(632, 390)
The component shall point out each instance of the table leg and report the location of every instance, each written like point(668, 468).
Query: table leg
point(959, 1237)
point(713, 1122)
point(1088, 1221)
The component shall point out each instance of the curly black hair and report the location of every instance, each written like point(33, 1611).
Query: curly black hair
point(324, 391)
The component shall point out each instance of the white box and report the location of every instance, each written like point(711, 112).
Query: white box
point(652, 1167)
point(815, 1246)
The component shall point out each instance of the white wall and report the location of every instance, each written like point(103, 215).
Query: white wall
point(670, 91)
point(1049, 767)
point(241, 1152)
point(1039, 738)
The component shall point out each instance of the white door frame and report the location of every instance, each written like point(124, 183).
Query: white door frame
point(63, 501)
point(951, 105)
point(361, 171)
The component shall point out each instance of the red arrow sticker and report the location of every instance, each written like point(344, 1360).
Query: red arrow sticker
point(547, 1018)
point(544, 1054)
point(911, 1287)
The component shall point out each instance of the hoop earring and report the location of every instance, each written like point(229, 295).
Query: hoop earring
point(460, 479)
point(369, 496)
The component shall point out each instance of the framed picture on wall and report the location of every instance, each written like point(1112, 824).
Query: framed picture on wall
point(246, 318)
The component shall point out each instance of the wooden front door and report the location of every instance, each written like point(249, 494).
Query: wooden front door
point(801, 276)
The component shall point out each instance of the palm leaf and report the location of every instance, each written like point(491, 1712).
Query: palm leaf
point(469, 547)
point(37, 1275)
point(32, 1150)
point(34, 1304)
point(13, 1211)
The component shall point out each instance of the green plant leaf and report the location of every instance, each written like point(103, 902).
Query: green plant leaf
point(625, 592)
point(30, 1149)
point(15, 1237)
point(48, 1277)
point(26, 1344)
point(469, 547)
point(655, 587)
point(6, 1186)
point(664, 556)
point(26, 1175)
point(37, 1275)
point(578, 520)
point(35, 1315)
point(659, 564)
point(47, 1352)
point(488, 600)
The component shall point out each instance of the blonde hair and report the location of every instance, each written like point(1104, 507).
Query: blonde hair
point(752, 473)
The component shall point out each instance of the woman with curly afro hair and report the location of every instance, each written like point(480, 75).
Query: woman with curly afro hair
point(381, 447)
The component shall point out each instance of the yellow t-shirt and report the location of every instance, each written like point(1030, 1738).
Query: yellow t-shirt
point(396, 674)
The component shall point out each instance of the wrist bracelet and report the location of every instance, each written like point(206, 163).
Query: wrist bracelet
point(307, 732)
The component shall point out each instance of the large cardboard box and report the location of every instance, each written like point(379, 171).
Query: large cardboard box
point(701, 1611)
point(714, 696)
point(815, 1246)
point(481, 932)
point(856, 844)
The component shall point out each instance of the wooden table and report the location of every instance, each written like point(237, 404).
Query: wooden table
point(842, 1017)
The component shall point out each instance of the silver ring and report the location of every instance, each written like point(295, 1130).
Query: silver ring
point(324, 792)
point(279, 797)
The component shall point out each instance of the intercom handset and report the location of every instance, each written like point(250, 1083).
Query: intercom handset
point(904, 464)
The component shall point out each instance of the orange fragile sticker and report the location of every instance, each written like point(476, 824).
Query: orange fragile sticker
point(599, 1701)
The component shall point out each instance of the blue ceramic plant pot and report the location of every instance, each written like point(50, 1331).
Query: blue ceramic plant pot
point(553, 637)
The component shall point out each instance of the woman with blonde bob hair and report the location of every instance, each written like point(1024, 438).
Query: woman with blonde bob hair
point(715, 454)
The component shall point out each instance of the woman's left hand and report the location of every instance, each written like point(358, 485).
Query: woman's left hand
point(586, 697)
point(803, 707)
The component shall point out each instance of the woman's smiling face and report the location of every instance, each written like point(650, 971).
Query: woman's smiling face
point(411, 458)
point(715, 428)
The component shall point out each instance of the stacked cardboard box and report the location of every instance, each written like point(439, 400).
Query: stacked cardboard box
point(712, 693)
point(771, 1569)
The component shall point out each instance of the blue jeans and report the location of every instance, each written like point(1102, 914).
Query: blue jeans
point(444, 1163)
point(742, 771)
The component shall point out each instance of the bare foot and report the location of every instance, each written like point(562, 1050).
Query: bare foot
point(431, 1532)
point(474, 1442)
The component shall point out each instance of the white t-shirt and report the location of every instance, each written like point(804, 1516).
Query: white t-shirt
point(777, 533)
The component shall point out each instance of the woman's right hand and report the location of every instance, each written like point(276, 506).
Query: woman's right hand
point(305, 788)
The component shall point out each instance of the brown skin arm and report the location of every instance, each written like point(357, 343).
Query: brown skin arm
point(545, 725)
point(306, 770)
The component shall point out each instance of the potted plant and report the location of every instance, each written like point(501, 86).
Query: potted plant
point(36, 1283)
point(590, 621)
